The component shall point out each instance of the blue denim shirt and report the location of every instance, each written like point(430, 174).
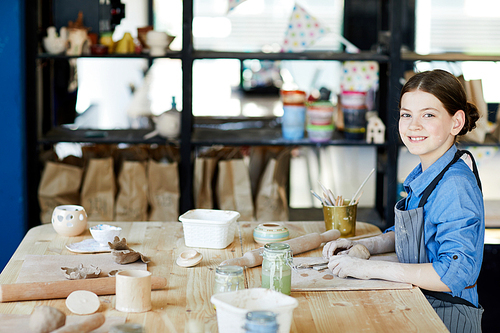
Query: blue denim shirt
point(453, 222)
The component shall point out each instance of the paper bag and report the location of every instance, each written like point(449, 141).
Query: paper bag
point(204, 171)
point(474, 89)
point(132, 202)
point(99, 189)
point(59, 185)
point(163, 191)
point(233, 189)
point(271, 203)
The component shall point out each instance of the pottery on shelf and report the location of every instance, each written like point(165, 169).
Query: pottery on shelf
point(69, 220)
point(54, 43)
point(167, 124)
point(78, 42)
point(158, 42)
point(270, 232)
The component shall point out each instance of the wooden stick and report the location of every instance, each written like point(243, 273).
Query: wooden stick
point(62, 289)
point(363, 184)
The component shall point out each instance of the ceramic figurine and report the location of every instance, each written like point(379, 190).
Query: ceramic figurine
point(78, 41)
point(53, 43)
point(125, 45)
point(375, 130)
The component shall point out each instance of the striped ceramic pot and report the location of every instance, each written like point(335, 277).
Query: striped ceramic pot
point(270, 233)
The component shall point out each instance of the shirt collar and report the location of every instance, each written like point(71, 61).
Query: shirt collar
point(418, 181)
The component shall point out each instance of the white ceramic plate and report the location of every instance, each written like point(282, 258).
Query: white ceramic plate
point(88, 246)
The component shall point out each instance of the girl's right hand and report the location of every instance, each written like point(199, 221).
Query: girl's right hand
point(337, 247)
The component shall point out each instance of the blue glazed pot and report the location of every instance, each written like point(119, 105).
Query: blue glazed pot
point(270, 233)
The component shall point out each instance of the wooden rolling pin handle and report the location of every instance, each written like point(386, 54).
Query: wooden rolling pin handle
point(88, 325)
point(62, 289)
point(298, 245)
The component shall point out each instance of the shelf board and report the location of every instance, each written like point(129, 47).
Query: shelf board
point(311, 55)
point(170, 54)
point(264, 136)
point(412, 56)
point(131, 136)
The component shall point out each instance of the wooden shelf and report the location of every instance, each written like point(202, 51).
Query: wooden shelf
point(320, 55)
point(412, 56)
point(132, 136)
point(170, 54)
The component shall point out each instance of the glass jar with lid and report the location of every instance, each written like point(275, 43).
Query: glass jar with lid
point(228, 278)
point(260, 322)
point(277, 267)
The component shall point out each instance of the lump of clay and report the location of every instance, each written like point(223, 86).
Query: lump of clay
point(46, 319)
point(359, 251)
point(122, 254)
point(81, 272)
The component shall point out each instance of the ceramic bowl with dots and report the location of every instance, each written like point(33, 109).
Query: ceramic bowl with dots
point(104, 233)
point(69, 220)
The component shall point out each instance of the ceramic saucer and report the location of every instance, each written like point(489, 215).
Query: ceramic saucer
point(88, 246)
point(189, 258)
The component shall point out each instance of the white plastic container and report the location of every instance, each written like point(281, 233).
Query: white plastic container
point(209, 228)
point(232, 307)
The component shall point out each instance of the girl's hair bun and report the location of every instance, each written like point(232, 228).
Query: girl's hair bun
point(471, 117)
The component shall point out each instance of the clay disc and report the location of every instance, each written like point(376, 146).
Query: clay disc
point(83, 302)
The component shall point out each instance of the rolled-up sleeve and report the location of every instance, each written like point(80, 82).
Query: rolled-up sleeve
point(456, 232)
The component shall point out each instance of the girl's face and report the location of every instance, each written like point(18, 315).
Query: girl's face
point(426, 128)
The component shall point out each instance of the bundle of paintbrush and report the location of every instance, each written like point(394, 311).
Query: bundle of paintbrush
point(329, 199)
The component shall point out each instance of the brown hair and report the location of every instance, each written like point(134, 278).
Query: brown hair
point(448, 89)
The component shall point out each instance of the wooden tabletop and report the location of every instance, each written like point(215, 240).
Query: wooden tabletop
point(186, 300)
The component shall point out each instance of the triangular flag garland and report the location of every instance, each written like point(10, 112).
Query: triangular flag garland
point(303, 30)
point(359, 75)
point(231, 4)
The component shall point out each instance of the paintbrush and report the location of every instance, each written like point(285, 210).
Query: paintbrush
point(363, 184)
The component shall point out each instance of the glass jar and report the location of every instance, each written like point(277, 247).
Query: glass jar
point(261, 322)
point(228, 278)
point(127, 328)
point(277, 267)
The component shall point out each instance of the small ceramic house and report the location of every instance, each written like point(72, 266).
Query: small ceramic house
point(375, 130)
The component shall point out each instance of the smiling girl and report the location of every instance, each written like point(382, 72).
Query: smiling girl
point(438, 232)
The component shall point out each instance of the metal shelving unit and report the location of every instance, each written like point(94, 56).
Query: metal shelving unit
point(195, 134)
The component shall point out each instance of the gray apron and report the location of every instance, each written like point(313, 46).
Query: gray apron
point(456, 313)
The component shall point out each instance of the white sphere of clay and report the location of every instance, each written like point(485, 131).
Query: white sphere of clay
point(69, 220)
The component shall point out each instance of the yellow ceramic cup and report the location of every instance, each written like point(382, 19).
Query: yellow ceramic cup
point(342, 218)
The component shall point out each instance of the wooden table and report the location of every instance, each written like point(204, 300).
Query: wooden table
point(186, 300)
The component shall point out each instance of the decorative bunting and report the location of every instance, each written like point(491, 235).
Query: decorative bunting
point(303, 30)
point(231, 4)
point(359, 75)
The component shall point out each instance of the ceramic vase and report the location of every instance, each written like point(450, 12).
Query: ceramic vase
point(69, 220)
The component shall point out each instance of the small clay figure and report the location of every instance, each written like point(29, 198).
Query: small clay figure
point(45, 319)
point(123, 254)
point(81, 272)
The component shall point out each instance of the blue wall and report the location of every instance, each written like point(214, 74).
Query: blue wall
point(13, 210)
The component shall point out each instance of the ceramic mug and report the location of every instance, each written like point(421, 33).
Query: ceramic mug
point(133, 291)
point(270, 233)
point(69, 220)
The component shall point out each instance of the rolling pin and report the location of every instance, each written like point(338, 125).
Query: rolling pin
point(298, 245)
point(61, 289)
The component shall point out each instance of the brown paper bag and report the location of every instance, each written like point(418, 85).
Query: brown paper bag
point(474, 89)
point(132, 201)
point(59, 185)
point(233, 190)
point(271, 202)
point(99, 189)
point(163, 191)
point(204, 171)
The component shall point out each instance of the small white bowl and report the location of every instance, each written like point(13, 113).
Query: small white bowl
point(104, 233)
point(189, 258)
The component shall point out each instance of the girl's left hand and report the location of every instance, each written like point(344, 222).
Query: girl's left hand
point(344, 266)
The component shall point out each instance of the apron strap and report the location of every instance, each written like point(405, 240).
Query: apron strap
point(432, 185)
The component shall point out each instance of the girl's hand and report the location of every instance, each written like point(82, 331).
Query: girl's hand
point(344, 266)
point(339, 246)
